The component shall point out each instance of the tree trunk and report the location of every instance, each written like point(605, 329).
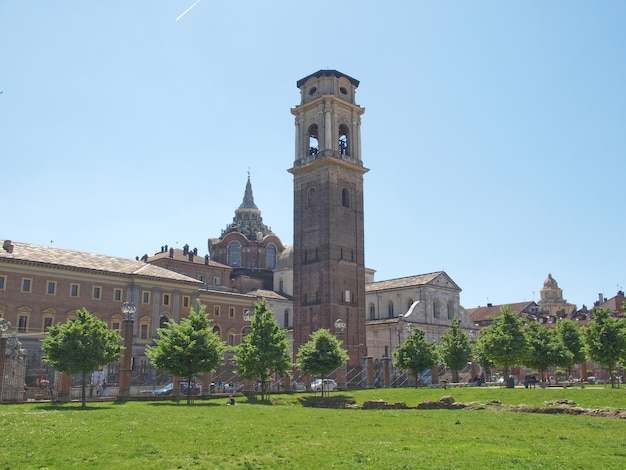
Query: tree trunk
point(82, 391)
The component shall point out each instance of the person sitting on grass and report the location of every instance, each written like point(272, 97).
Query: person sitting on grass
point(231, 400)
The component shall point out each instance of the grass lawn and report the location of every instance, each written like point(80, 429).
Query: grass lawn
point(284, 434)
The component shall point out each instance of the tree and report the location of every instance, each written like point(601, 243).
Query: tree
point(80, 346)
point(264, 350)
point(455, 349)
point(416, 355)
point(503, 342)
point(321, 355)
point(569, 334)
point(545, 348)
point(187, 348)
point(605, 339)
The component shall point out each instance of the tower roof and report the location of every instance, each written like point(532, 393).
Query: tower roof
point(327, 73)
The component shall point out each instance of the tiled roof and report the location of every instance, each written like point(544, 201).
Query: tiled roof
point(481, 314)
point(179, 256)
point(69, 259)
point(268, 294)
point(409, 281)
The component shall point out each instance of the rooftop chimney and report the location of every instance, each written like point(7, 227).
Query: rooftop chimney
point(8, 246)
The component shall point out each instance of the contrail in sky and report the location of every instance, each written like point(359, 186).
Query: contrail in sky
point(187, 10)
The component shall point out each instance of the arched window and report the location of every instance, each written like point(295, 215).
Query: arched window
point(246, 330)
point(231, 337)
point(281, 285)
point(270, 256)
point(234, 254)
point(163, 321)
point(345, 198)
point(216, 330)
point(390, 309)
point(343, 140)
point(314, 146)
point(311, 197)
point(436, 312)
point(286, 318)
point(372, 311)
point(450, 310)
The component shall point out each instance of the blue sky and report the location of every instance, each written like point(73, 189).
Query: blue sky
point(495, 132)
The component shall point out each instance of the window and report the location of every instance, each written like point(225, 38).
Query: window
point(216, 330)
point(166, 299)
point(216, 311)
point(186, 301)
point(311, 197)
point(231, 312)
point(390, 309)
point(163, 321)
point(345, 198)
point(372, 312)
point(22, 324)
point(231, 337)
point(47, 323)
point(216, 281)
point(450, 310)
point(270, 256)
point(143, 331)
point(234, 254)
point(26, 284)
point(97, 292)
point(51, 288)
point(281, 285)
point(286, 318)
point(200, 277)
point(74, 290)
point(408, 304)
point(117, 295)
point(145, 297)
point(115, 326)
point(3, 280)
point(346, 296)
point(436, 312)
point(314, 146)
point(343, 140)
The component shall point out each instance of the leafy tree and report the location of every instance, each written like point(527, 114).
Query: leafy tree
point(503, 342)
point(321, 355)
point(80, 346)
point(480, 358)
point(455, 349)
point(416, 354)
point(605, 339)
point(569, 334)
point(264, 350)
point(187, 348)
point(544, 348)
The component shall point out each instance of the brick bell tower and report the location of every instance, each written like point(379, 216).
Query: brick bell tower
point(328, 263)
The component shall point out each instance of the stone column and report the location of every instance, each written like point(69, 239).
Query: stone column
point(64, 385)
point(340, 377)
point(386, 371)
point(367, 372)
point(3, 347)
point(126, 364)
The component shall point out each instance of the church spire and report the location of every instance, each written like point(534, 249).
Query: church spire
point(248, 198)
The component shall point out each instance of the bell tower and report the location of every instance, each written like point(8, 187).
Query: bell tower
point(328, 263)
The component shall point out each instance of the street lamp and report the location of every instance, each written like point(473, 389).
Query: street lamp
point(340, 326)
point(4, 326)
point(128, 309)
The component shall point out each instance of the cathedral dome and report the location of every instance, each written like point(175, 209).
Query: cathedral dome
point(285, 259)
point(550, 283)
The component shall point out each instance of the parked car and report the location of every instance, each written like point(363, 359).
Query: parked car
point(184, 387)
point(329, 385)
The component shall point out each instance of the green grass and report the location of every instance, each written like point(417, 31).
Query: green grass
point(252, 435)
